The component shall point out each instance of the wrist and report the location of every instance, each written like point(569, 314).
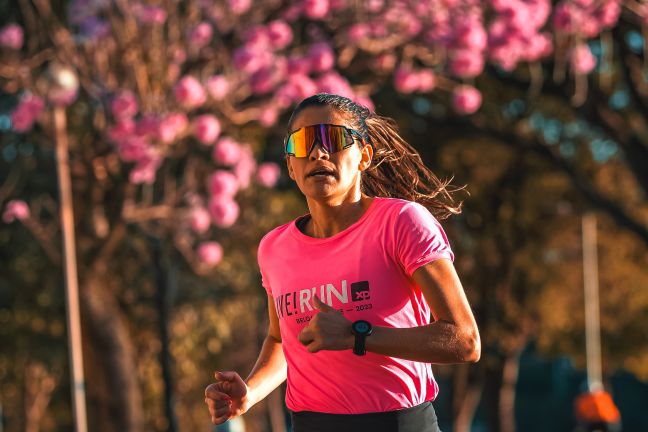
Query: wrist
point(349, 339)
point(250, 399)
point(361, 329)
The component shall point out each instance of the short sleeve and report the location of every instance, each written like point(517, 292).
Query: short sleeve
point(419, 238)
point(262, 260)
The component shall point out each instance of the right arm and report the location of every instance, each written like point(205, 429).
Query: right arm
point(269, 370)
point(230, 396)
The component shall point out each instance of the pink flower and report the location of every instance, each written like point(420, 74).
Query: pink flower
point(321, 57)
point(357, 32)
point(148, 127)
point(189, 93)
point(582, 59)
point(285, 95)
point(224, 211)
point(471, 35)
point(332, 82)
point(206, 128)
point(385, 62)
point(239, 7)
point(268, 116)
point(263, 81)
point(466, 63)
point(303, 86)
point(201, 35)
point(280, 34)
point(427, 80)
point(412, 26)
point(257, 38)
point(210, 253)
point(374, 6)
point(563, 17)
point(145, 170)
point(268, 174)
point(151, 14)
point(178, 55)
point(507, 56)
point(245, 167)
point(15, 210)
point(316, 9)
point(12, 36)
point(200, 219)
point(250, 60)
point(378, 28)
point(466, 99)
point(299, 65)
point(26, 113)
point(122, 130)
point(133, 148)
point(124, 105)
point(406, 80)
point(608, 13)
point(223, 183)
point(218, 86)
point(539, 46)
point(172, 126)
point(226, 151)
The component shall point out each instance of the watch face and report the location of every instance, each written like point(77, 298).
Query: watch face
point(361, 326)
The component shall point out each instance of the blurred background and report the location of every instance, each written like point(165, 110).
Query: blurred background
point(141, 163)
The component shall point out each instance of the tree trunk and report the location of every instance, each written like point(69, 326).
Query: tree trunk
point(466, 398)
point(112, 346)
point(464, 418)
point(165, 282)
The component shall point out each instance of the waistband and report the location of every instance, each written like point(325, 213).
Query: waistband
point(404, 412)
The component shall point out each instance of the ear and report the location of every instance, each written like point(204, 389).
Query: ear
point(291, 173)
point(366, 154)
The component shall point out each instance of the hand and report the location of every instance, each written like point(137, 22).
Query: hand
point(327, 330)
point(227, 397)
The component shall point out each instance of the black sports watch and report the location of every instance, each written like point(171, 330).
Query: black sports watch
point(360, 329)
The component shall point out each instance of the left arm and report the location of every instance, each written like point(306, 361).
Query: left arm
point(453, 337)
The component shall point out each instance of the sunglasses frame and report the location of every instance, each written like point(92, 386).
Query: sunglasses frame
point(352, 132)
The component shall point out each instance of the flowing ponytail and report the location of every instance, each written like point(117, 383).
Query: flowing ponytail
point(397, 170)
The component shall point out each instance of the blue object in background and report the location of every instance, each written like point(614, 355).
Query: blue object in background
point(545, 394)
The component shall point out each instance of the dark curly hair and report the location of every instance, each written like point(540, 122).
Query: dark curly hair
point(397, 170)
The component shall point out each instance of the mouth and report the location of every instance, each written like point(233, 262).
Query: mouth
point(321, 173)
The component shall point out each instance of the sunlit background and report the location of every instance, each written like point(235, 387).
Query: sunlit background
point(172, 115)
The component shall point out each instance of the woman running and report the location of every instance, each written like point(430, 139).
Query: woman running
point(362, 292)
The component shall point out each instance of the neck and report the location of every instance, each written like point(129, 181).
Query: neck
point(329, 217)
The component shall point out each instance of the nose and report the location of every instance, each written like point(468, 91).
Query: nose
point(318, 152)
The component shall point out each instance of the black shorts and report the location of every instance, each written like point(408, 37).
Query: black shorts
point(420, 418)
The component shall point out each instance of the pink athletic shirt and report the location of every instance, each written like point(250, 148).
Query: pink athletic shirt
point(364, 272)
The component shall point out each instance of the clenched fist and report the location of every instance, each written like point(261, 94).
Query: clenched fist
point(327, 330)
point(227, 397)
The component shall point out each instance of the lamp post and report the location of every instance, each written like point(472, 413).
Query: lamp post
point(63, 88)
point(592, 324)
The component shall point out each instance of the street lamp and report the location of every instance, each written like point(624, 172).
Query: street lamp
point(62, 91)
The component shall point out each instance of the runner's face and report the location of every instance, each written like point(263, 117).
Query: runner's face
point(345, 166)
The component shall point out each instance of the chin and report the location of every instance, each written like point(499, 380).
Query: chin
point(318, 192)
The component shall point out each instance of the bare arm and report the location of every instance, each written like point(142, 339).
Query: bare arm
point(452, 338)
point(269, 371)
point(230, 396)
